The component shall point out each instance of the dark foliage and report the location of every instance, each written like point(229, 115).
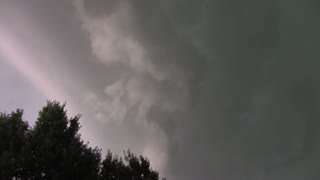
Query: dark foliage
point(53, 149)
point(132, 167)
point(12, 144)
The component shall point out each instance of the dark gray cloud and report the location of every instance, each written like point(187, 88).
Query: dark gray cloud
point(247, 67)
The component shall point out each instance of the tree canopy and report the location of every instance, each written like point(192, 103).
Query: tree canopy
point(53, 149)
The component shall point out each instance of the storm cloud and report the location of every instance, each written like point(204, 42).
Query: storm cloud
point(229, 82)
point(221, 89)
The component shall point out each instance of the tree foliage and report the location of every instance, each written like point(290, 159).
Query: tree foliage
point(53, 149)
point(12, 143)
point(131, 167)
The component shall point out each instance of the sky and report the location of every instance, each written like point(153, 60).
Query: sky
point(219, 89)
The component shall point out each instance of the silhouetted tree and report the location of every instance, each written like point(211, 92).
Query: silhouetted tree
point(53, 149)
point(12, 143)
point(113, 168)
point(131, 168)
point(57, 150)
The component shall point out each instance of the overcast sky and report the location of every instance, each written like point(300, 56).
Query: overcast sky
point(207, 89)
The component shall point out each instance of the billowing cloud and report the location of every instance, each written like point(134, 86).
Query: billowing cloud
point(219, 78)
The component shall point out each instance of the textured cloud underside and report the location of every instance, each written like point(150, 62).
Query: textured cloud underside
point(227, 88)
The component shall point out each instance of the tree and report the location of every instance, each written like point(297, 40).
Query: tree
point(131, 168)
point(57, 149)
point(53, 149)
point(113, 168)
point(12, 143)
